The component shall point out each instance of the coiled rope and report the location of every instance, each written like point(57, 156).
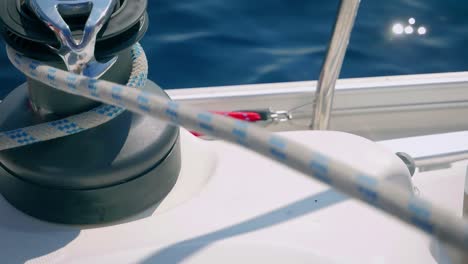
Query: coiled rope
point(80, 122)
point(379, 194)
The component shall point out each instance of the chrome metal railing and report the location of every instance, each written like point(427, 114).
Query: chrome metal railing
point(323, 99)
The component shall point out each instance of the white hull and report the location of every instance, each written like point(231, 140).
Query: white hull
point(377, 108)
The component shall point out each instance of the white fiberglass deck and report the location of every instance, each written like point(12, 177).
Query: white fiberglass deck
point(233, 206)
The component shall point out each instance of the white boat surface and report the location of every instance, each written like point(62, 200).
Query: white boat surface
point(231, 205)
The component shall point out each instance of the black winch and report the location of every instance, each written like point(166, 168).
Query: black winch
point(100, 175)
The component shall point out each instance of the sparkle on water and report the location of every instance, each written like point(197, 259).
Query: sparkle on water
point(410, 28)
point(398, 28)
point(422, 30)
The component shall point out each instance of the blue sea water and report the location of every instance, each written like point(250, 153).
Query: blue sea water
point(211, 42)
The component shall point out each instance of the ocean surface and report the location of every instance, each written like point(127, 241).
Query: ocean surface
point(211, 42)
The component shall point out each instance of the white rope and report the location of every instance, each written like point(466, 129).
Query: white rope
point(379, 194)
point(80, 122)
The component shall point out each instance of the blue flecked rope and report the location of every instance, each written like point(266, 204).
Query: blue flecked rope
point(81, 122)
point(358, 184)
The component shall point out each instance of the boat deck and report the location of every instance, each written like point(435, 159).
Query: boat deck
point(232, 205)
